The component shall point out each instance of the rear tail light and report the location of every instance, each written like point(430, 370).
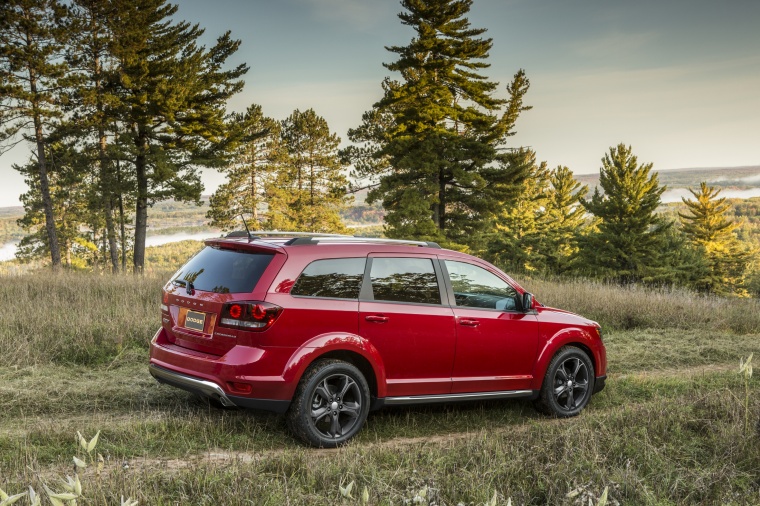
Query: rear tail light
point(165, 301)
point(255, 316)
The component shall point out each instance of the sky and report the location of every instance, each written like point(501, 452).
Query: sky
point(678, 80)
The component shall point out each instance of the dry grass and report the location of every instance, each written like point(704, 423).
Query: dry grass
point(668, 429)
point(637, 306)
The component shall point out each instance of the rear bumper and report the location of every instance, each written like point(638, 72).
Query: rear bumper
point(215, 376)
point(210, 389)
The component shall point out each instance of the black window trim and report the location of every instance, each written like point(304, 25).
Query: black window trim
point(366, 294)
point(315, 297)
point(450, 288)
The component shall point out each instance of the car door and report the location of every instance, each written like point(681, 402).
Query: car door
point(404, 312)
point(496, 342)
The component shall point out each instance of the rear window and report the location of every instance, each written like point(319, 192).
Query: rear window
point(223, 270)
point(339, 278)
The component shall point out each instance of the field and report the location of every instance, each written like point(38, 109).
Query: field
point(676, 424)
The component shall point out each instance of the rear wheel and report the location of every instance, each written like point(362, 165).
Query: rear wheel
point(330, 405)
point(568, 383)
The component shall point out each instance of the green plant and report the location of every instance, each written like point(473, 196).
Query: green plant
point(745, 369)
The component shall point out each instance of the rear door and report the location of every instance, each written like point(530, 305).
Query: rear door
point(496, 342)
point(404, 312)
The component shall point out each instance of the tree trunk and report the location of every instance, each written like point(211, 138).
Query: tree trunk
point(141, 207)
point(105, 175)
point(47, 203)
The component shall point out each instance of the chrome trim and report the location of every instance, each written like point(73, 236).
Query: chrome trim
point(189, 383)
point(476, 396)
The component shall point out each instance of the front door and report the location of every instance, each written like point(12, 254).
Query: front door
point(496, 342)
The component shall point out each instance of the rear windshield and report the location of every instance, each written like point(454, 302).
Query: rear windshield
point(223, 270)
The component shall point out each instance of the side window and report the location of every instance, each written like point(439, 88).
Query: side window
point(338, 278)
point(405, 280)
point(476, 287)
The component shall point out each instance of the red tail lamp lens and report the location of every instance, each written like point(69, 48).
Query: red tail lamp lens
point(254, 316)
point(166, 297)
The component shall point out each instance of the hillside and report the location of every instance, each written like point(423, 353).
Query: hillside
point(740, 178)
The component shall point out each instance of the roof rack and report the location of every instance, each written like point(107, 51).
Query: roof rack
point(354, 239)
point(302, 238)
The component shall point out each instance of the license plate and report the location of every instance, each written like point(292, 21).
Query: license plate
point(195, 320)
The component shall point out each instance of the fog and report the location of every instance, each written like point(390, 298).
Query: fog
point(675, 194)
point(8, 250)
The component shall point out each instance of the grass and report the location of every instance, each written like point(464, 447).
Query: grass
point(668, 429)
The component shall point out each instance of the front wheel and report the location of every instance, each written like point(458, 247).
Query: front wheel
point(568, 383)
point(330, 405)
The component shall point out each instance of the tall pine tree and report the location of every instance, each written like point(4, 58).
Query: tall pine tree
point(30, 70)
point(311, 188)
point(565, 220)
point(708, 229)
point(251, 173)
point(173, 98)
point(628, 245)
point(429, 146)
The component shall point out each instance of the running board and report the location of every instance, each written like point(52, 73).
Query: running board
point(476, 396)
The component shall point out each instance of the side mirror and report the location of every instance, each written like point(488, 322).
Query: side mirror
point(527, 302)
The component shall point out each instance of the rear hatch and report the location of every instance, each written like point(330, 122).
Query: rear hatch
point(195, 295)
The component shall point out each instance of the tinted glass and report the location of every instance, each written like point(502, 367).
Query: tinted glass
point(223, 270)
point(339, 278)
point(476, 287)
point(405, 280)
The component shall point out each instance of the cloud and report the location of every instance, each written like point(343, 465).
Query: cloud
point(360, 14)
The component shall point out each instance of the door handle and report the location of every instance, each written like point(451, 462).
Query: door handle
point(468, 323)
point(376, 318)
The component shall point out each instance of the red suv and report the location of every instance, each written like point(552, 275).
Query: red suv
point(326, 328)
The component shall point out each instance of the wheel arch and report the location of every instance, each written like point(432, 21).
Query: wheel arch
point(349, 348)
point(568, 337)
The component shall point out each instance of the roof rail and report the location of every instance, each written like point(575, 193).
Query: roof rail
point(354, 239)
point(319, 237)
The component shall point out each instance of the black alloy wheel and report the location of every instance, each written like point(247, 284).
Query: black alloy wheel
point(568, 383)
point(330, 405)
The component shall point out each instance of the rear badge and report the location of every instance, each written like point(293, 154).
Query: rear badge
point(195, 320)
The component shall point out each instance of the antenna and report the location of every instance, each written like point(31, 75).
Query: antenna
point(246, 227)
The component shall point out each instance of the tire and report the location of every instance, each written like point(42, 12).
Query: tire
point(568, 383)
point(330, 404)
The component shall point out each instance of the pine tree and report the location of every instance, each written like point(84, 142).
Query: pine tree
point(30, 68)
point(519, 228)
point(173, 96)
point(565, 220)
point(70, 194)
point(251, 173)
point(90, 104)
point(311, 188)
point(429, 146)
point(628, 245)
point(709, 230)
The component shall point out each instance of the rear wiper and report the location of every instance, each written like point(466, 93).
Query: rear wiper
point(187, 284)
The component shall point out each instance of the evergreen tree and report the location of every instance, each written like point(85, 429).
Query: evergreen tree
point(520, 227)
point(30, 68)
point(429, 146)
point(173, 96)
point(629, 243)
point(311, 187)
point(565, 220)
point(250, 175)
point(708, 229)
point(91, 102)
point(70, 193)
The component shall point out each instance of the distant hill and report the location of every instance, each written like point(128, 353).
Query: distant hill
point(739, 178)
